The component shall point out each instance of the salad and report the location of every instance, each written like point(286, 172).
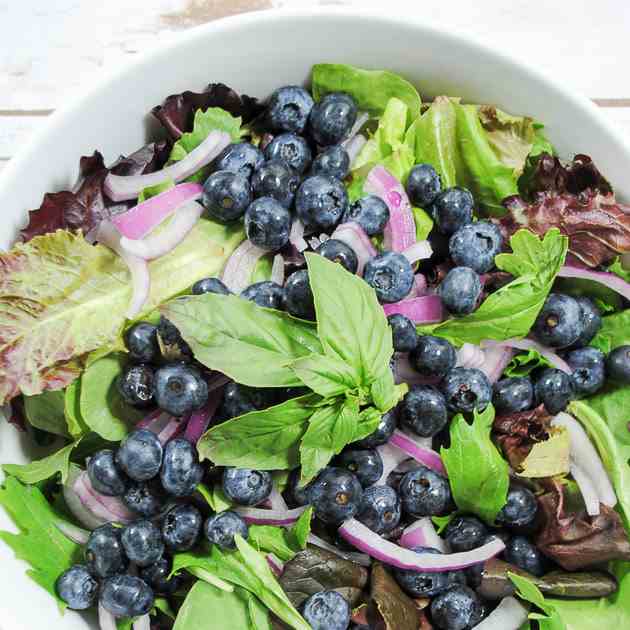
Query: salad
point(339, 359)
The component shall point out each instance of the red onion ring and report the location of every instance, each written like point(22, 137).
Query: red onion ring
point(240, 266)
point(608, 279)
point(260, 516)
point(426, 309)
point(353, 235)
point(418, 451)
point(422, 533)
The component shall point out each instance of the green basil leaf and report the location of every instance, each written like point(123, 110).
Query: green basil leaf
point(368, 421)
point(41, 469)
point(45, 411)
point(325, 375)
point(271, 539)
point(529, 592)
point(298, 534)
point(72, 410)
point(385, 393)
point(214, 497)
point(254, 346)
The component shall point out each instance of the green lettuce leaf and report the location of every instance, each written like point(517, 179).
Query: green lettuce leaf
point(371, 89)
point(156, 189)
point(42, 469)
point(39, 543)
point(46, 411)
point(617, 268)
point(615, 332)
point(512, 310)
point(72, 410)
point(282, 542)
point(214, 497)
point(424, 223)
point(478, 474)
point(524, 363)
point(61, 298)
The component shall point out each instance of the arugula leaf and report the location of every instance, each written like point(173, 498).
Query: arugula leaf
point(252, 345)
point(284, 543)
point(371, 89)
point(45, 411)
point(102, 407)
point(41, 469)
point(265, 440)
point(528, 591)
point(478, 475)
point(512, 310)
point(39, 543)
point(615, 332)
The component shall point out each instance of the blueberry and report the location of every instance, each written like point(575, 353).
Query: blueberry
point(512, 395)
point(180, 389)
point(242, 158)
point(475, 245)
point(293, 150)
point(339, 252)
point(591, 321)
point(267, 224)
point(226, 195)
point(332, 118)
point(142, 543)
point(335, 495)
point(140, 455)
point(326, 610)
point(104, 553)
point(240, 399)
point(288, 109)
point(419, 583)
point(452, 209)
point(474, 573)
point(181, 471)
point(266, 294)
point(554, 389)
point(104, 475)
point(275, 179)
point(466, 389)
point(520, 508)
point(559, 323)
point(589, 370)
point(298, 295)
point(618, 364)
point(143, 499)
point(460, 290)
point(156, 576)
point(366, 464)
point(333, 161)
point(370, 212)
point(181, 527)
point(423, 411)
point(464, 533)
point(457, 608)
point(522, 553)
point(382, 433)
point(404, 333)
point(423, 185)
point(297, 492)
point(221, 528)
point(173, 341)
point(77, 587)
point(433, 356)
point(390, 274)
point(210, 285)
point(321, 201)
point(126, 596)
point(379, 509)
point(246, 486)
point(424, 492)
point(141, 341)
point(135, 385)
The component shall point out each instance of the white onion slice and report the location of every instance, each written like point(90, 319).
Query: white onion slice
point(496, 358)
point(106, 620)
point(362, 118)
point(260, 516)
point(420, 250)
point(240, 265)
point(314, 242)
point(276, 500)
point(470, 356)
point(125, 187)
point(422, 534)
point(359, 558)
point(72, 532)
point(277, 269)
point(608, 279)
point(275, 564)
point(354, 147)
point(296, 236)
point(392, 458)
point(530, 344)
point(353, 235)
point(409, 445)
point(389, 553)
point(168, 238)
point(510, 614)
point(142, 623)
point(587, 489)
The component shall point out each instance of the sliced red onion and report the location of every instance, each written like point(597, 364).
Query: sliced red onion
point(109, 509)
point(123, 188)
point(354, 147)
point(420, 250)
point(240, 266)
point(275, 564)
point(154, 418)
point(276, 500)
point(389, 553)
point(165, 426)
point(587, 489)
point(422, 534)
point(359, 558)
point(138, 268)
point(353, 235)
point(392, 458)
point(277, 269)
point(296, 236)
point(72, 532)
point(313, 242)
point(362, 118)
point(200, 420)
point(140, 220)
point(530, 344)
point(470, 356)
point(608, 279)
point(142, 623)
point(80, 511)
point(496, 358)
point(173, 428)
point(167, 239)
point(426, 456)
point(404, 372)
point(510, 614)
point(279, 518)
point(426, 309)
point(584, 455)
point(419, 287)
point(400, 231)
point(106, 620)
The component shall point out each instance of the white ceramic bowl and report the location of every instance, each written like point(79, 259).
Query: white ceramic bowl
point(255, 53)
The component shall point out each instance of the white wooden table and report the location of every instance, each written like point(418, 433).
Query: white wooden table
point(48, 49)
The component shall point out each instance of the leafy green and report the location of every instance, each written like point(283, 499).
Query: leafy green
point(252, 345)
point(524, 363)
point(371, 89)
point(528, 591)
point(102, 407)
point(512, 310)
point(325, 375)
point(284, 543)
point(152, 191)
point(618, 269)
point(41, 469)
point(39, 543)
point(215, 497)
point(424, 223)
point(478, 475)
point(72, 410)
point(615, 332)
point(46, 411)
point(298, 534)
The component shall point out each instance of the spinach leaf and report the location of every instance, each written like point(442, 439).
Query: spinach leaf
point(45, 411)
point(41, 469)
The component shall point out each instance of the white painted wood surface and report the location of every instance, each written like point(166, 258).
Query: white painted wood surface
point(49, 49)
